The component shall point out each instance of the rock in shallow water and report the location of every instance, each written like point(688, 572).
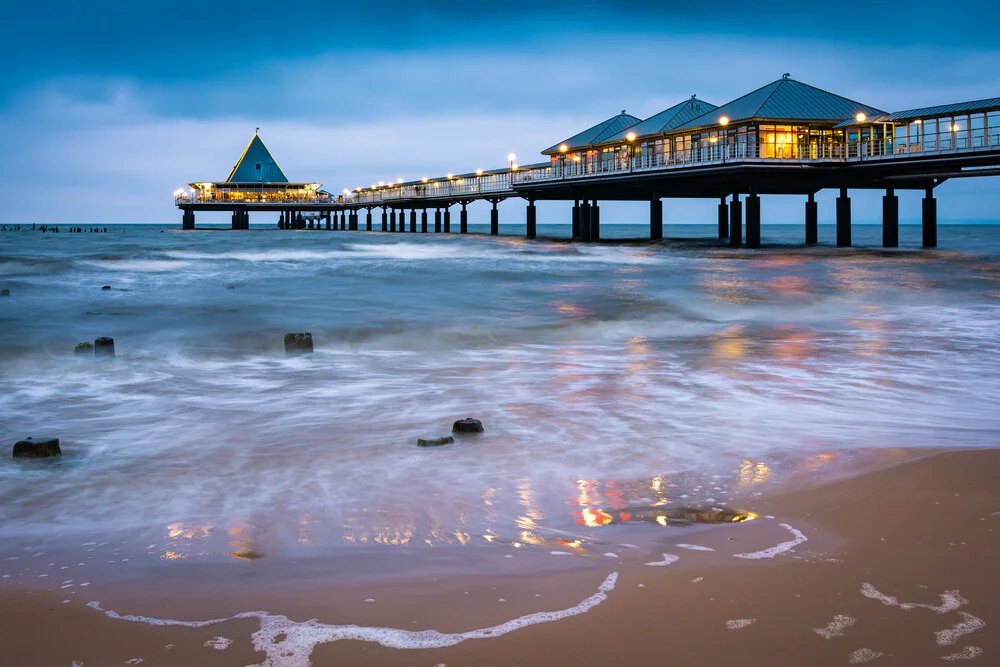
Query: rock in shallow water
point(435, 442)
point(298, 343)
point(36, 448)
point(467, 425)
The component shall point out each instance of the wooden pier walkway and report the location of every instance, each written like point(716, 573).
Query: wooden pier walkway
point(786, 138)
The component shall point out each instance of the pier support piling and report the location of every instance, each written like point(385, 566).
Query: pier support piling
point(736, 222)
point(812, 221)
point(423, 221)
point(723, 219)
point(753, 220)
point(299, 222)
point(890, 219)
point(413, 221)
point(187, 220)
point(576, 219)
point(463, 219)
point(595, 221)
point(656, 219)
point(329, 223)
point(368, 221)
point(843, 219)
point(447, 219)
point(530, 219)
point(437, 221)
point(585, 227)
point(385, 219)
point(494, 218)
point(929, 219)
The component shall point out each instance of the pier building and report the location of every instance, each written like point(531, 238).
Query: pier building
point(784, 138)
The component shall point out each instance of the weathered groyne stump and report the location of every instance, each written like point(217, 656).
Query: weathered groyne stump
point(84, 348)
point(104, 287)
point(467, 425)
point(4, 292)
point(435, 442)
point(104, 347)
point(37, 448)
point(298, 343)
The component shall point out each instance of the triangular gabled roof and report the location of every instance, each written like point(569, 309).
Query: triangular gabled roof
point(256, 165)
point(785, 99)
point(596, 134)
point(667, 119)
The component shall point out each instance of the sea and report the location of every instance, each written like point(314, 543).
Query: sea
point(625, 387)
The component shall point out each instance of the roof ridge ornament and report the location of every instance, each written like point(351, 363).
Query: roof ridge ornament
point(786, 76)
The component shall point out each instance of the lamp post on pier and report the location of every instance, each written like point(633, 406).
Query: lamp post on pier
point(724, 122)
point(630, 137)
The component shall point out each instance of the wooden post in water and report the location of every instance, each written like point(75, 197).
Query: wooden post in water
point(531, 219)
point(447, 219)
point(753, 219)
point(929, 219)
point(494, 218)
point(812, 220)
point(890, 219)
point(843, 219)
point(736, 222)
point(656, 219)
point(723, 219)
point(463, 219)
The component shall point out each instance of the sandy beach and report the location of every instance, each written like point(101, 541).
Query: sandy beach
point(898, 568)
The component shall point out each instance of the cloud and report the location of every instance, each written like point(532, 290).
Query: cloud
point(111, 148)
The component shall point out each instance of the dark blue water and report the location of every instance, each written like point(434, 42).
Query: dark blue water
point(607, 375)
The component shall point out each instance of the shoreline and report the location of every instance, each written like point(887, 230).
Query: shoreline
point(912, 531)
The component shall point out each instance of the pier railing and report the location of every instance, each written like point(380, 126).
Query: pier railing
point(453, 188)
point(722, 153)
point(223, 197)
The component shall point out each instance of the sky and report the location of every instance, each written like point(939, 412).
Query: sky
point(106, 109)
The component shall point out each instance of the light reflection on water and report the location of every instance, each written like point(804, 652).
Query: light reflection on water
point(623, 388)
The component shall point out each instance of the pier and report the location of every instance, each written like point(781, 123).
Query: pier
point(785, 138)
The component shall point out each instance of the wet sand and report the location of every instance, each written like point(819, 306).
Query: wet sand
point(912, 532)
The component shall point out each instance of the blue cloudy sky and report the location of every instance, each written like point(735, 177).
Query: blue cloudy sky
point(106, 109)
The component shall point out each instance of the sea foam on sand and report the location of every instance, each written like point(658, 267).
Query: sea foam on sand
point(299, 639)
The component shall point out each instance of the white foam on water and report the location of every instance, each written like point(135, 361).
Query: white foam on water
point(967, 653)
point(694, 547)
point(863, 655)
point(697, 580)
point(836, 627)
point(873, 593)
point(560, 553)
point(218, 643)
point(369, 600)
point(135, 661)
point(950, 600)
point(777, 548)
point(667, 560)
point(968, 625)
point(739, 623)
point(610, 555)
point(76, 663)
point(299, 638)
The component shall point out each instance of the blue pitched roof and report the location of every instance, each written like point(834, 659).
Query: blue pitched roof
point(785, 99)
point(976, 106)
point(667, 119)
point(597, 133)
point(256, 165)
